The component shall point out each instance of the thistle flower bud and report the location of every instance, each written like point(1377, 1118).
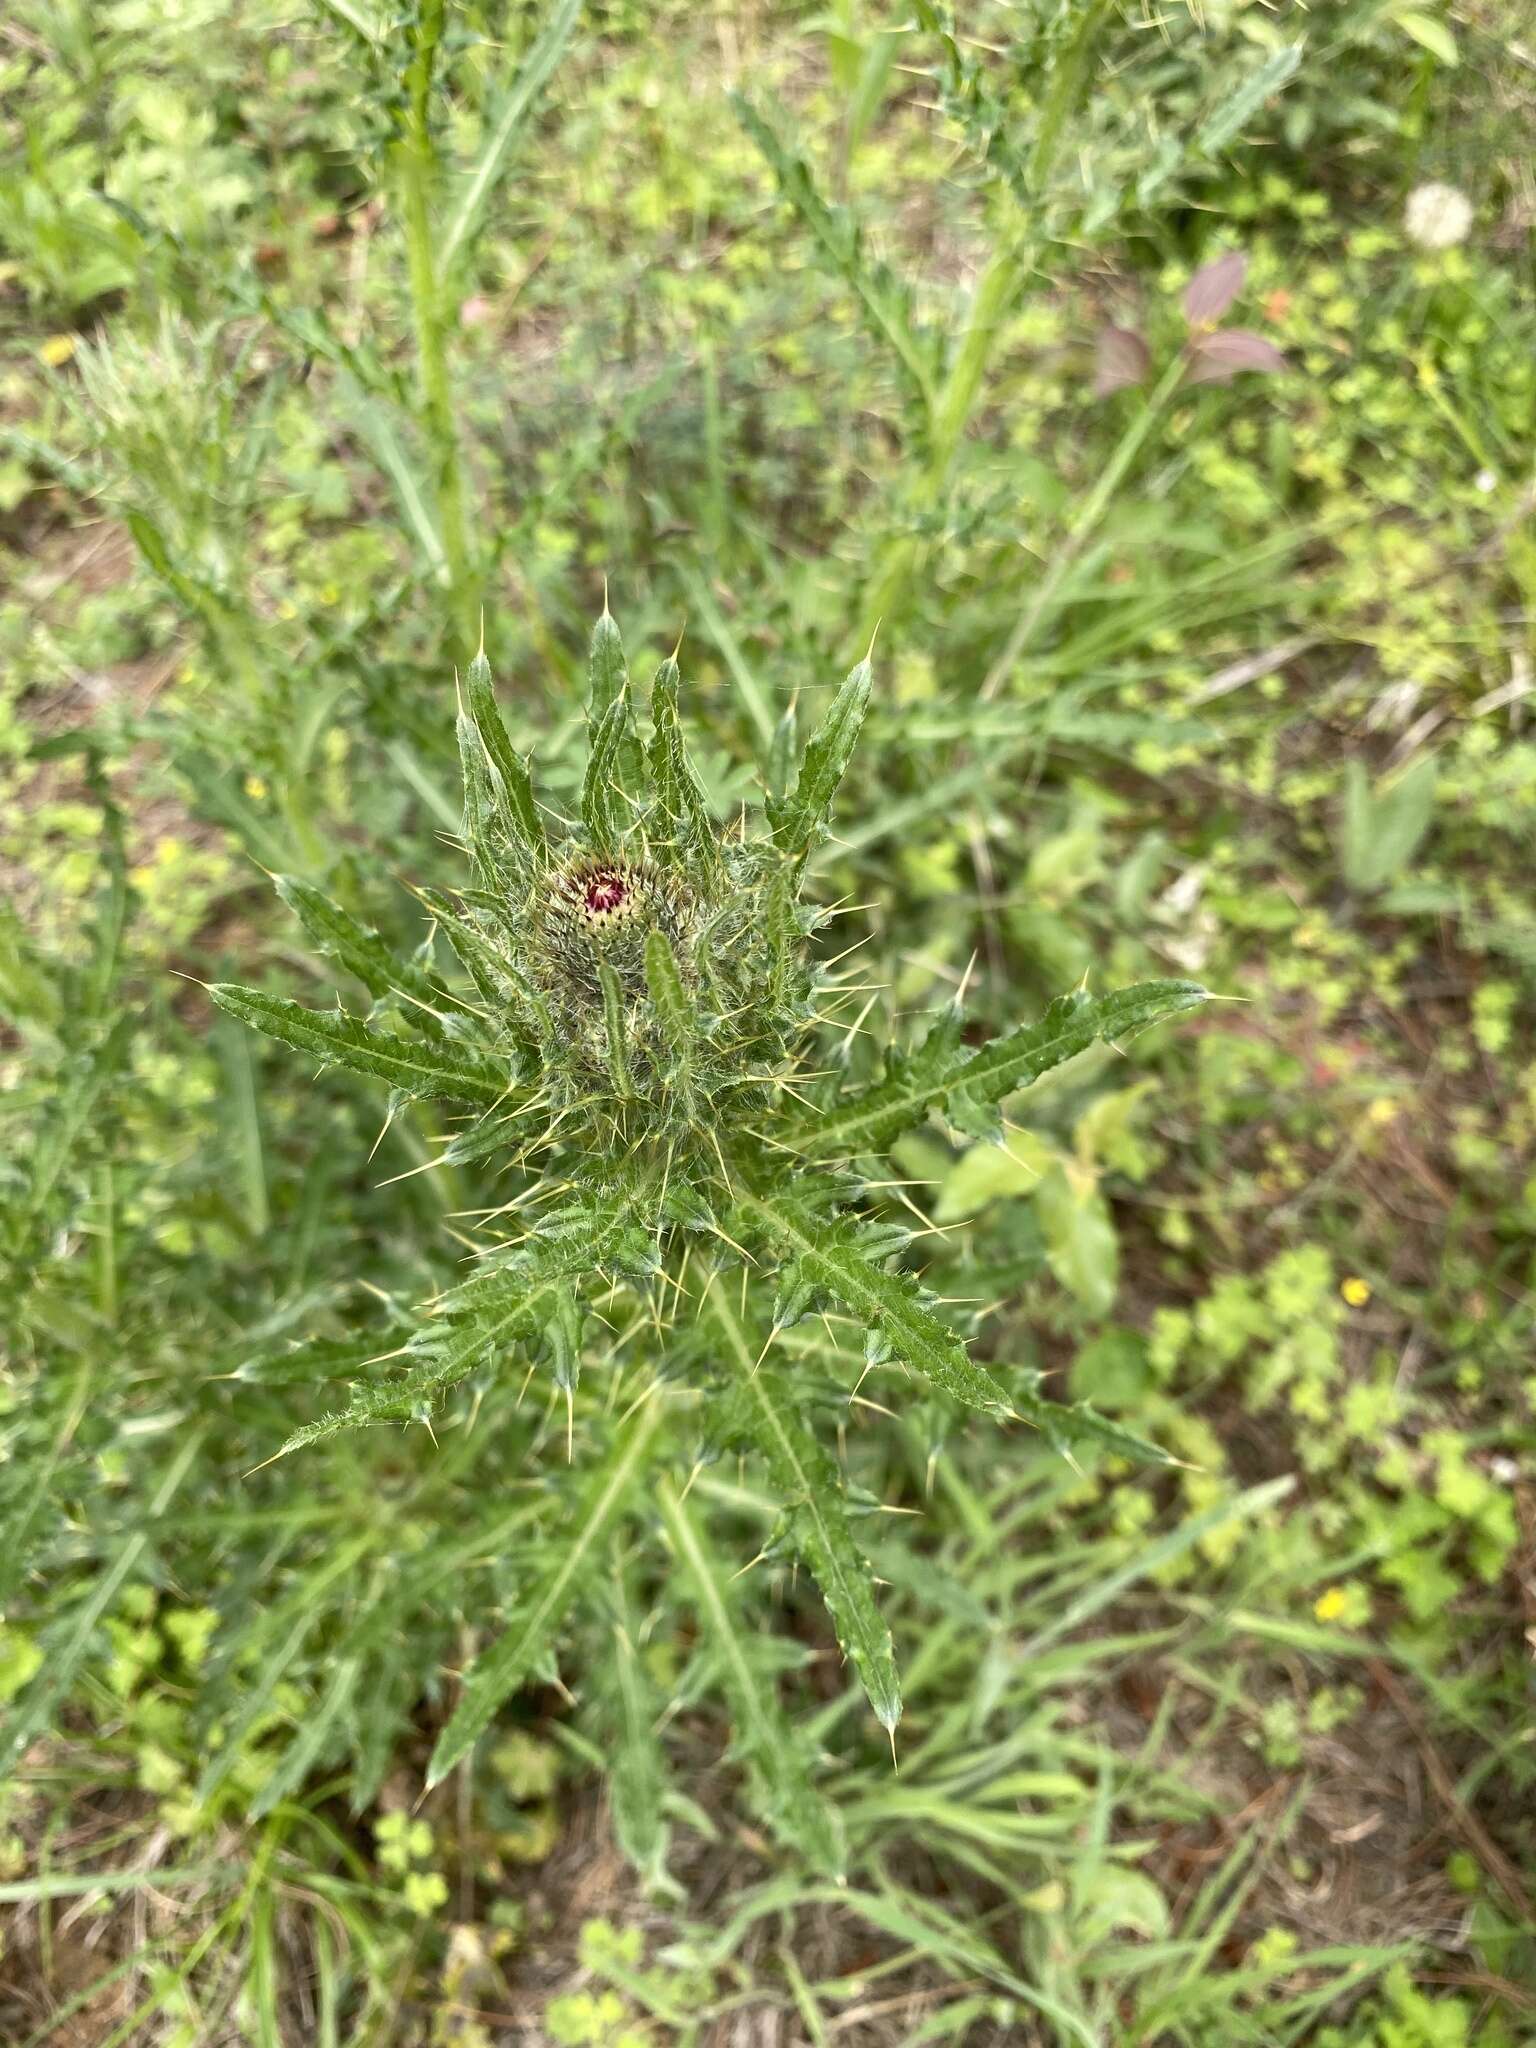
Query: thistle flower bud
point(654, 969)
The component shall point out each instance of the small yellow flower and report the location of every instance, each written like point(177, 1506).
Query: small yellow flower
point(256, 787)
point(57, 350)
point(1330, 1605)
point(1356, 1292)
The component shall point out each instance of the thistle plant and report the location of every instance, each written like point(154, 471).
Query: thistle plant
point(629, 1014)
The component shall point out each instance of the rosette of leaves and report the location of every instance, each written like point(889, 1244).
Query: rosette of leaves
point(626, 1011)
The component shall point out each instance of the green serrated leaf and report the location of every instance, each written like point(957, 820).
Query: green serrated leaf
point(358, 948)
point(842, 1259)
point(873, 1117)
point(1065, 1423)
point(435, 1068)
point(669, 994)
point(799, 821)
point(497, 1673)
point(815, 1504)
point(680, 808)
point(605, 807)
point(516, 808)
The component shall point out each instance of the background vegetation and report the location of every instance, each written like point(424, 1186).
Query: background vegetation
point(322, 331)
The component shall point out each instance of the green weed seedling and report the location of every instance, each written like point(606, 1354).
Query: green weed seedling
point(631, 1031)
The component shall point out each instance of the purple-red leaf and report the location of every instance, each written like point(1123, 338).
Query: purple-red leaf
point(1123, 359)
point(1213, 288)
point(1217, 358)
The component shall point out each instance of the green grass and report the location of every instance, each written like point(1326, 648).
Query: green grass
point(327, 334)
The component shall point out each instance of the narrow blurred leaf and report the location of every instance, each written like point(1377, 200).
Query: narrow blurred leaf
point(886, 301)
point(1383, 824)
point(1238, 108)
point(516, 103)
point(34, 1710)
point(1430, 33)
point(768, 1744)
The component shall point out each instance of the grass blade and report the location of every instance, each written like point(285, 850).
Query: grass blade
point(37, 1704)
point(517, 103)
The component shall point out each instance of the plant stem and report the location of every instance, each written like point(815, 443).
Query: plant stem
point(417, 160)
point(1087, 518)
point(953, 405)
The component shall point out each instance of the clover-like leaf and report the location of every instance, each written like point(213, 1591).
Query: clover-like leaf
point(1218, 357)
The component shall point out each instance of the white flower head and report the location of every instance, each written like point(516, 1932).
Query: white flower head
point(1437, 216)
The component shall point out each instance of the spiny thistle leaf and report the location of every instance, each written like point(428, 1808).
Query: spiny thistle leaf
point(839, 1259)
point(1064, 1424)
point(607, 671)
point(436, 1068)
point(479, 794)
point(1011, 1063)
point(764, 1408)
point(674, 1005)
point(518, 811)
point(481, 1321)
point(607, 686)
point(799, 821)
point(873, 1117)
point(614, 1027)
point(604, 808)
point(680, 809)
point(473, 948)
point(359, 949)
point(497, 1673)
point(774, 1754)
